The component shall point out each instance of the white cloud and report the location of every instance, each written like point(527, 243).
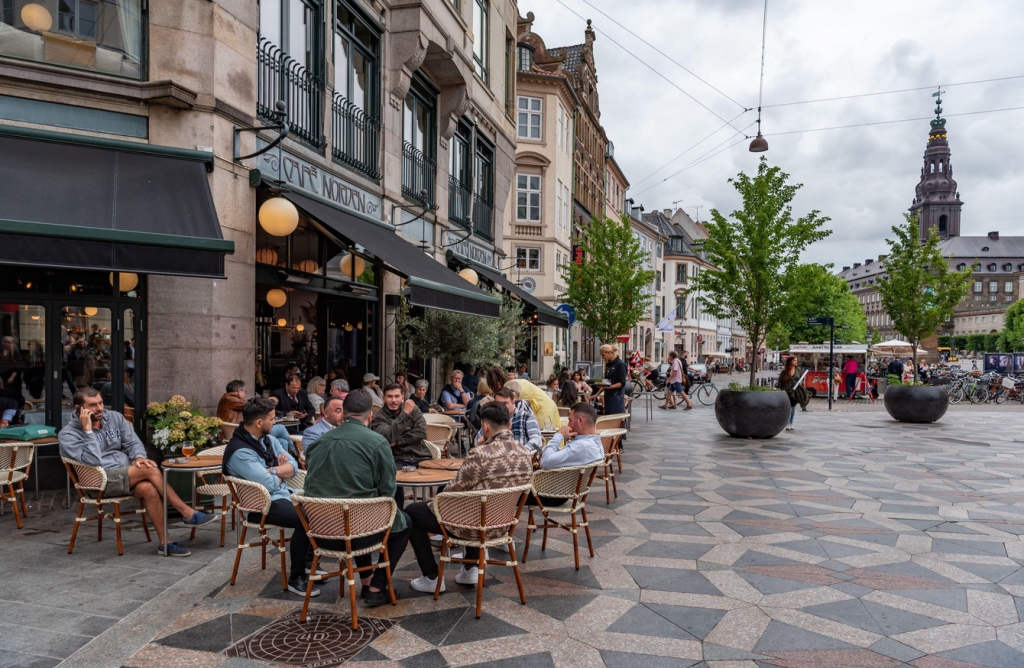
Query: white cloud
point(863, 178)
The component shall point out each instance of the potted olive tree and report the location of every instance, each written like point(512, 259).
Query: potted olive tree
point(756, 253)
point(919, 292)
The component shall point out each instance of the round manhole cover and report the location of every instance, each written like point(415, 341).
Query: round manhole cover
point(325, 639)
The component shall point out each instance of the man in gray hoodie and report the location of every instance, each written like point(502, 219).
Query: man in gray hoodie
point(98, 437)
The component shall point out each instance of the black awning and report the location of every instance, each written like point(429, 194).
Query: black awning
point(431, 284)
point(546, 315)
point(86, 203)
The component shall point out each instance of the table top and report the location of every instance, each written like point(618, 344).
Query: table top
point(446, 464)
point(424, 478)
point(287, 422)
point(196, 463)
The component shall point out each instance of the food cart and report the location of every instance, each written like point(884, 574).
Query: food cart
point(814, 358)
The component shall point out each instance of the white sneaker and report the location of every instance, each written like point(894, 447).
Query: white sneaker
point(468, 576)
point(425, 584)
point(790, 427)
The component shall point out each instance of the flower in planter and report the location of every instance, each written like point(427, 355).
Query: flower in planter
point(178, 420)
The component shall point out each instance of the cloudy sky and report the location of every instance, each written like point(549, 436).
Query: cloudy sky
point(863, 178)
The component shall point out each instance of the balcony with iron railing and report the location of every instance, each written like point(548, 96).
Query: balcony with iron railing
point(460, 198)
point(419, 174)
point(483, 218)
point(355, 137)
point(279, 77)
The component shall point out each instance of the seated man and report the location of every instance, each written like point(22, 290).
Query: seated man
point(98, 437)
point(404, 428)
point(353, 462)
point(8, 409)
point(575, 444)
point(524, 425)
point(229, 408)
point(102, 382)
point(454, 397)
point(497, 462)
point(253, 455)
point(333, 415)
point(370, 385)
point(292, 400)
point(339, 388)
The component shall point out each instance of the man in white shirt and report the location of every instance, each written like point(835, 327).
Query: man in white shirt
point(577, 443)
point(333, 415)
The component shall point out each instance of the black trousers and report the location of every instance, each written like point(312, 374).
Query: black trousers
point(282, 513)
point(397, 541)
point(424, 522)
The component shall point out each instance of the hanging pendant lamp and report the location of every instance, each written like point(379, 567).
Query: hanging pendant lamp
point(759, 143)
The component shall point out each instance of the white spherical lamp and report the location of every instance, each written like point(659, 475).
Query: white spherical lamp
point(36, 17)
point(348, 327)
point(469, 275)
point(281, 322)
point(90, 311)
point(348, 261)
point(276, 298)
point(126, 281)
point(300, 327)
point(279, 217)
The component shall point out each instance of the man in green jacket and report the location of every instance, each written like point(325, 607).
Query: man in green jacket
point(403, 426)
point(352, 462)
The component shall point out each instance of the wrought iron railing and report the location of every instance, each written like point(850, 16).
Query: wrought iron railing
point(460, 198)
point(279, 77)
point(483, 218)
point(354, 137)
point(419, 174)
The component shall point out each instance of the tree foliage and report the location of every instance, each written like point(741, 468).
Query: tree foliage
point(919, 291)
point(469, 339)
point(756, 252)
point(976, 343)
point(876, 337)
point(1012, 337)
point(946, 341)
point(815, 292)
point(607, 288)
point(961, 342)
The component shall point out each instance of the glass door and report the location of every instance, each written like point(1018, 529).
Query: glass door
point(87, 340)
point(23, 362)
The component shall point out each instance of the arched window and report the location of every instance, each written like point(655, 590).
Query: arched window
point(1007, 267)
point(992, 266)
point(941, 167)
point(961, 266)
point(942, 218)
point(933, 168)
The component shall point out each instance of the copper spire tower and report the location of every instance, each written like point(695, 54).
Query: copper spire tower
point(937, 201)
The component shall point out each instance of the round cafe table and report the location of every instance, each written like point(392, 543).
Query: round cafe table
point(450, 464)
point(195, 464)
point(423, 480)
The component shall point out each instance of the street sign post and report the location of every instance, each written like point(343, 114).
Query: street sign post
point(830, 322)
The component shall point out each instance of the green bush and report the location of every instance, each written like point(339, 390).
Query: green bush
point(737, 386)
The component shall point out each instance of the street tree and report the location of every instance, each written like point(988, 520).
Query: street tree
point(918, 289)
point(756, 252)
point(1012, 337)
point(817, 292)
point(876, 337)
point(460, 338)
point(609, 285)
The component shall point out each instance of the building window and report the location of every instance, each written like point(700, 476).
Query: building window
point(992, 298)
point(1007, 267)
point(510, 75)
point(481, 42)
point(103, 36)
point(558, 206)
point(529, 117)
point(483, 194)
point(993, 286)
point(355, 128)
point(977, 298)
point(528, 197)
point(1008, 298)
point(977, 286)
point(419, 168)
point(528, 258)
point(565, 207)
point(561, 125)
point(524, 57)
point(1008, 286)
point(961, 266)
point(680, 273)
point(289, 66)
point(992, 266)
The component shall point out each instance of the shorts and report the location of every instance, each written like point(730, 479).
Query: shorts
point(676, 387)
point(117, 482)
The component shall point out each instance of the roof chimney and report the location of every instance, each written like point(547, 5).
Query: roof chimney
point(846, 269)
point(994, 236)
point(667, 212)
point(856, 264)
point(869, 261)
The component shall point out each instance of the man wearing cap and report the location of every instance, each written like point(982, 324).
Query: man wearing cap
point(370, 385)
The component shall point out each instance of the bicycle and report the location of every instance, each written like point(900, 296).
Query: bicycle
point(705, 391)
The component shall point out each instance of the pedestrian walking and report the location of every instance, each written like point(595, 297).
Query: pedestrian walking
point(850, 369)
point(675, 383)
point(789, 381)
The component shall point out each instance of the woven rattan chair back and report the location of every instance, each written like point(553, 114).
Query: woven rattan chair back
point(342, 519)
point(436, 448)
point(439, 432)
point(610, 439)
point(563, 411)
point(215, 451)
point(228, 429)
point(86, 478)
point(570, 482)
point(13, 458)
point(250, 497)
point(614, 421)
point(438, 418)
point(479, 510)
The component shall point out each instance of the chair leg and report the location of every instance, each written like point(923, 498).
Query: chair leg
point(481, 566)
point(544, 540)
point(263, 548)
point(515, 569)
point(351, 574)
point(145, 524)
point(14, 503)
point(21, 492)
point(607, 490)
point(74, 532)
point(575, 541)
point(529, 532)
point(223, 518)
point(238, 554)
point(117, 529)
point(309, 588)
point(440, 568)
point(615, 489)
point(618, 456)
point(284, 563)
point(387, 574)
point(100, 516)
point(586, 529)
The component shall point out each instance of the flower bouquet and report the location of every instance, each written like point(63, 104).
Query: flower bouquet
point(177, 421)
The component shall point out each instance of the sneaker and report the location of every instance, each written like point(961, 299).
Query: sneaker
point(199, 519)
point(468, 576)
point(297, 585)
point(174, 550)
point(378, 598)
point(319, 571)
point(790, 427)
point(425, 584)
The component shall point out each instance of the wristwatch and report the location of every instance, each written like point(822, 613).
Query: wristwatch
point(273, 471)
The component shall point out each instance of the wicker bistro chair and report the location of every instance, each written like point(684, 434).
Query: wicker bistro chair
point(345, 520)
point(440, 433)
point(15, 462)
point(218, 489)
point(480, 518)
point(436, 448)
point(297, 442)
point(91, 482)
point(252, 497)
point(610, 439)
point(228, 430)
point(571, 483)
point(613, 421)
point(438, 418)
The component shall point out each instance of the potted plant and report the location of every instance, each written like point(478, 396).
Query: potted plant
point(919, 292)
point(756, 258)
point(177, 422)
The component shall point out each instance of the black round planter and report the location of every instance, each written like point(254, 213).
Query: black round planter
point(752, 414)
point(916, 403)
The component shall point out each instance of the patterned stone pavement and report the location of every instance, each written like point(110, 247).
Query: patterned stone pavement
point(854, 541)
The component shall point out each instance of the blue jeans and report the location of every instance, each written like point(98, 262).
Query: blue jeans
point(851, 384)
point(792, 414)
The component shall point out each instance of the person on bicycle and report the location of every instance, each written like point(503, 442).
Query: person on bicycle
point(675, 383)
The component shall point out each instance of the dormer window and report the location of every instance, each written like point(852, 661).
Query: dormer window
point(1007, 267)
point(961, 266)
point(524, 58)
point(992, 266)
